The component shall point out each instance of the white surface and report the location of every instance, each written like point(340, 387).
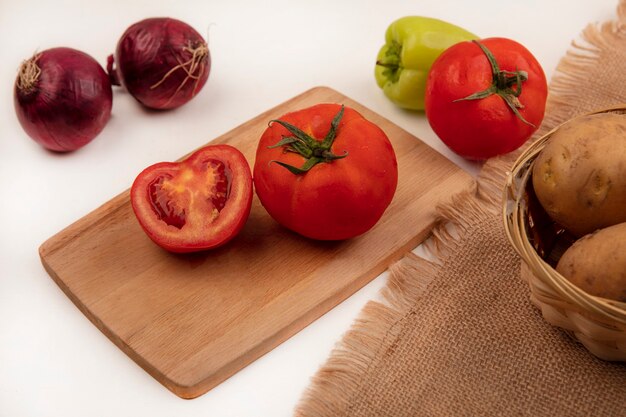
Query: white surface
point(53, 361)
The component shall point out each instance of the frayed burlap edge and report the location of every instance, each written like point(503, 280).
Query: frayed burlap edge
point(335, 384)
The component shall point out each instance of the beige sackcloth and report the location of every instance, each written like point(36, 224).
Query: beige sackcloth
point(458, 336)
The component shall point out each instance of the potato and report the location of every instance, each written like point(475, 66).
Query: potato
point(580, 175)
point(596, 263)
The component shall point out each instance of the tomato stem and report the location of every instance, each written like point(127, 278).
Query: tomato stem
point(313, 150)
point(506, 84)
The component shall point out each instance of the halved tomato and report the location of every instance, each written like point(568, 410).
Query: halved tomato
point(199, 203)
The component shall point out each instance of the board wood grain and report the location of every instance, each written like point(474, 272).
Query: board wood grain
point(193, 320)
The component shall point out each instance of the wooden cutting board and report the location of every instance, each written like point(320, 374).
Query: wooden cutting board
point(192, 321)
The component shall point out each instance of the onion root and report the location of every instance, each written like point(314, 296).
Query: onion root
point(28, 74)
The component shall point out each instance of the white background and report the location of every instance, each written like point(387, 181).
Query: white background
point(53, 361)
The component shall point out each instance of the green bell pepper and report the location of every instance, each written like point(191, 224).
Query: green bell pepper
point(412, 44)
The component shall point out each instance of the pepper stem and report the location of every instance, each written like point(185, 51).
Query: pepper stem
point(313, 150)
point(391, 61)
point(506, 84)
point(387, 65)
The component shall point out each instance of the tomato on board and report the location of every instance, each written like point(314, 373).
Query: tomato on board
point(199, 203)
point(325, 172)
point(485, 98)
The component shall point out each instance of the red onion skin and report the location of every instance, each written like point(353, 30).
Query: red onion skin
point(148, 50)
point(69, 103)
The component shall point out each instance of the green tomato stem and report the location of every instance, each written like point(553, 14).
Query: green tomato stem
point(506, 84)
point(314, 151)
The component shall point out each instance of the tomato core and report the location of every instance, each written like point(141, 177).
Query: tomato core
point(170, 194)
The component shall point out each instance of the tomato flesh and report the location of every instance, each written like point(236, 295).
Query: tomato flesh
point(169, 194)
point(221, 184)
point(199, 203)
point(163, 205)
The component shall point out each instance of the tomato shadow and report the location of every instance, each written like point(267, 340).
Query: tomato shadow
point(197, 259)
point(258, 239)
point(413, 112)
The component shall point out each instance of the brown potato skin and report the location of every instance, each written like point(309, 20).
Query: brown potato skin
point(596, 263)
point(580, 175)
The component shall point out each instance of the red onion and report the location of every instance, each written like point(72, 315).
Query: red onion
point(162, 62)
point(63, 98)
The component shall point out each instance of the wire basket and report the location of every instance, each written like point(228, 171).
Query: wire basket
point(598, 323)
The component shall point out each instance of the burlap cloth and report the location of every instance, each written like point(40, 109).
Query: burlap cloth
point(458, 336)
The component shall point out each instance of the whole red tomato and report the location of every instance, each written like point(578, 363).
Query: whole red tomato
point(485, 98)
point(199, 203)
point(325, 172)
